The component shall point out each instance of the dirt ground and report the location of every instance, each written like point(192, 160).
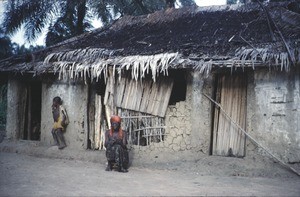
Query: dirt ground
point(28, 169)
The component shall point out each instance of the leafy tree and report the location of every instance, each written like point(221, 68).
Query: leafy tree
point(187, 2)
point(70, 23)
point(6, 47)
point(19, 50)
point(249, 1)
point(67, 18)
point(33, 14)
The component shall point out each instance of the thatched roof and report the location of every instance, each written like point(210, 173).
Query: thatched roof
point(192, 37)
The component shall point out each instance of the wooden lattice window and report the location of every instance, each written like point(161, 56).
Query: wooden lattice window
point(143, 129)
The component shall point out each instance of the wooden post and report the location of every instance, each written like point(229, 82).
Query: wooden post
point(29, 106)
point(86, 118)
point(92, 120)
point(98, 112)
point(22, 111)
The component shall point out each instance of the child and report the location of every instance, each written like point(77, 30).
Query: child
point(61, 120)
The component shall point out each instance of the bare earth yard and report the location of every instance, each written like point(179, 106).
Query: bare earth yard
point(51, 172)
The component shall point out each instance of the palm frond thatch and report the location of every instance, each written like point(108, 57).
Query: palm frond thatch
point(92, 63)
point(267, 56)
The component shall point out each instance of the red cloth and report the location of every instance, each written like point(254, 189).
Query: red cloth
point(115, 119)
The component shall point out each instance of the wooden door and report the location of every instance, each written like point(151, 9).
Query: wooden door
point(228, 140)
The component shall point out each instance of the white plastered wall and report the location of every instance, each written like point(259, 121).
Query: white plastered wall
point(75, 97)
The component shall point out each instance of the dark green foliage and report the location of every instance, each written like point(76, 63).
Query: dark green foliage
point(19, 50)
point(249, 1)
point(107, 10)
point(34, 14)
point(6, 47)
point(68, 18)
point(187, 2)
point(231, 1)
point(71, 23)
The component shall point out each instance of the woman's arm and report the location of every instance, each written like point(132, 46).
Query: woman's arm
point(106, 138)
point(124, 140)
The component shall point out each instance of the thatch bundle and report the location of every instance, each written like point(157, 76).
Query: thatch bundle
point(92, 63)
point(263, 54)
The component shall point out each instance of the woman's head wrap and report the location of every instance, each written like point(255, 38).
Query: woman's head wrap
point(115, 119)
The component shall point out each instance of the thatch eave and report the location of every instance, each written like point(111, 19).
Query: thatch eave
point(70, 66)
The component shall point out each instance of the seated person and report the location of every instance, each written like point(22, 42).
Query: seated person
point(115, 144)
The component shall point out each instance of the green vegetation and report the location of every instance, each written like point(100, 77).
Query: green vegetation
point(64, 19)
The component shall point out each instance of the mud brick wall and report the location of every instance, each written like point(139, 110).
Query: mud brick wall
point(188, 123)
point(178, 134)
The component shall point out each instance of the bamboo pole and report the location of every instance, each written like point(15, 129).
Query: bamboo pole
point(251, 138)
point(97, 122)
point(108, 115)
point(160, 131)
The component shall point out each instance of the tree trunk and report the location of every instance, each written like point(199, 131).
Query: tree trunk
point(81, 12)
point(170, 3)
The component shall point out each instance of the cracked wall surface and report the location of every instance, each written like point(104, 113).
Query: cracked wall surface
point(75, 101)
point(188, 123)
point(273, 113)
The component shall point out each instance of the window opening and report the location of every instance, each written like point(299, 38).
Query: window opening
point(179, 86)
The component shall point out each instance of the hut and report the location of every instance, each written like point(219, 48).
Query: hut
point(195, 78)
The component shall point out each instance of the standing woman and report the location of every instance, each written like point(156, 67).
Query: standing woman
point(115, 144)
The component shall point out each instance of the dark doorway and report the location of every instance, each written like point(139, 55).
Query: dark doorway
point(32, 126)
point(3, 106)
